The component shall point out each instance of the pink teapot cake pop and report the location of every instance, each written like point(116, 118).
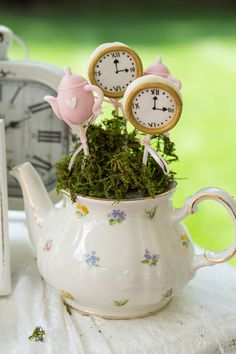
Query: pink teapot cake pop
point(75, 103)
point(159, 69)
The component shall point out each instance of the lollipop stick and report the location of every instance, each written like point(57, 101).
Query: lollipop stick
point(81, 131)
point(145, 154)
point(82, 135)
point(122, 110)
point(116, 105)
point(159, 159)
point(72, 160)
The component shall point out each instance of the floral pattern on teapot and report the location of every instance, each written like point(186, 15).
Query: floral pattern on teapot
point(185, 240)
point(167, 295)
point(92, 259)
point(116, 216)
point(150, 213)
point(121, 302)
point(67, 295)
point(149, 259)
point(81, 210)
point(48, 245)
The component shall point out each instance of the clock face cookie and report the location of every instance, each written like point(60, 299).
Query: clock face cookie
point(153, 107)
point(113, 68)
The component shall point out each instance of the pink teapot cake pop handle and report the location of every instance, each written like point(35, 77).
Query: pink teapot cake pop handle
point(98, 103)
point(96, 110)
point(190, 207)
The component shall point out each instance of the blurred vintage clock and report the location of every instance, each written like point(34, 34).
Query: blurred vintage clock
point(32, 132)
point(153, 104)
point(112, 67)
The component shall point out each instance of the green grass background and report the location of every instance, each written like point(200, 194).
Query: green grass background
point(200, 49)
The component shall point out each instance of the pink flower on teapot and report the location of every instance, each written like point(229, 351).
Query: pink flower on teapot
point(75, 102)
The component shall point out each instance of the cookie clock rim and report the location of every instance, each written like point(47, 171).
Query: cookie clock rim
point(153, 85)
point(101, 53)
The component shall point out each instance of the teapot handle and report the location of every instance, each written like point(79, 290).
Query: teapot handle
point(190, 207)
point(99, 100)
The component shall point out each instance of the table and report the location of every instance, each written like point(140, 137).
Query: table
point(202, 319)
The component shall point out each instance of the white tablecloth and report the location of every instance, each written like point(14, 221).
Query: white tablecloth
point(202, 319)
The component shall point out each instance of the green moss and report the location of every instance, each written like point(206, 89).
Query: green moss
point(114, 168)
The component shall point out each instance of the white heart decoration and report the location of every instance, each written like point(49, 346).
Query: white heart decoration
point(71, 102)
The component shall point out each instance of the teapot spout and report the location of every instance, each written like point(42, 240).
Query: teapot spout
point(36, 199)
point(54, 104)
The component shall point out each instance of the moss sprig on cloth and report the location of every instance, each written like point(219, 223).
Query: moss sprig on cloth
point(114, 168)
point(38, 334)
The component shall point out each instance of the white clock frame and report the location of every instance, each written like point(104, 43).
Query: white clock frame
point(5, 276)
point(43, 73)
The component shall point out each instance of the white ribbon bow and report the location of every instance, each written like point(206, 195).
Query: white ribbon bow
point(161, 162)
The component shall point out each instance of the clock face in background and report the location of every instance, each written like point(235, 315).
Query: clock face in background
point(33, 133)
point(155, 109)
point(114, 69)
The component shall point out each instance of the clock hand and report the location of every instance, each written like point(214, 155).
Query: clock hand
point(126, 70)
point(161, 109)
point(14, 123)
point(16, 93)
point(154, 102)
point(38, 107)
point(155, 107)
point(116, 62)
point(116, 65)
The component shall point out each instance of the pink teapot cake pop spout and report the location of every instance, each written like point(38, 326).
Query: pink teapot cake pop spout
point(75, 101)
point(54, 104)
point(97, 105)
point(159, 69)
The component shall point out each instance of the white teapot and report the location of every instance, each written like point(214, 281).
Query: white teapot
point(116, 260)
